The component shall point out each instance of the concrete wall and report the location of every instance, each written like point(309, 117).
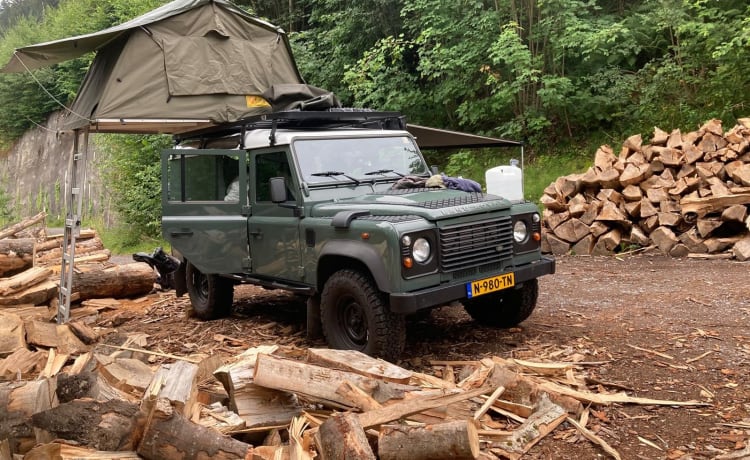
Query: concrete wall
point(34, 173)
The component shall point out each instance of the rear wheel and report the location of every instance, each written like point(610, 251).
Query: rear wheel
point(355, 316)
point(210, 295)
point(504, 308)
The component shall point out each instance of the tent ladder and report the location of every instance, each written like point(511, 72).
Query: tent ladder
point(74, 185)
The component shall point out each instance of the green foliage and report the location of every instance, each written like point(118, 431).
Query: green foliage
point(133, 172)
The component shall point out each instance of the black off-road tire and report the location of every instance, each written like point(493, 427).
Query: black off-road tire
point(355, 316)
point(211, 296)
point(505, 308)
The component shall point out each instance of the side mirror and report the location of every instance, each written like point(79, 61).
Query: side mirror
point(434, 170)
point(277, 187)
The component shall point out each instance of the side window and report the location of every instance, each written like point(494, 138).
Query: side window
point(268, 165)
point(196, 177)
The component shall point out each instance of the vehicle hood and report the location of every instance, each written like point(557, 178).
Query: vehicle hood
point(431, 204)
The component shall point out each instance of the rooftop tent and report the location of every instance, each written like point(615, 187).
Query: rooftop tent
point(187, 64)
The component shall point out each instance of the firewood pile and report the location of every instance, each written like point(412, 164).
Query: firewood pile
point(270, 402)
point(684, 193)
point(30, 264)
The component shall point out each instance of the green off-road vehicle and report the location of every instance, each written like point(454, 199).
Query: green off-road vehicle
point(342, 208)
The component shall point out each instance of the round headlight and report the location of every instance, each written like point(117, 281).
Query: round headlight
point(520, 231)
point(421, 250)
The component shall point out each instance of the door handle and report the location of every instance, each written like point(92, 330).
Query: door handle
point(178, 233)
point(256, 233)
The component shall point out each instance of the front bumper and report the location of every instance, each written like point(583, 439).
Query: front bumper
point(410, 302)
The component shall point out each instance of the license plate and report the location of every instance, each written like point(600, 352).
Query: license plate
point(487, 285)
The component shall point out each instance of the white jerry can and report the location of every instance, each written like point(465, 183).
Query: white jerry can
point(505, 181)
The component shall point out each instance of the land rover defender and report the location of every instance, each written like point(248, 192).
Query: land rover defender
point(341, 207)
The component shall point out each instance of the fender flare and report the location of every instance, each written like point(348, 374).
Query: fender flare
point(363, 253)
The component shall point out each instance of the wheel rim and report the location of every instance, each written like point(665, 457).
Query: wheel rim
point(200, 281)
point(353, 321)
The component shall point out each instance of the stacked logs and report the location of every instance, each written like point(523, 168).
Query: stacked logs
point(685, 194)
point(30, 265)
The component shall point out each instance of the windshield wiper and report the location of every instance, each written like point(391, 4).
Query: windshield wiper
point(382, 172)
point(335, 173)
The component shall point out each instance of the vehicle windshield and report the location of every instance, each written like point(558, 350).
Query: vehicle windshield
point(358, 159)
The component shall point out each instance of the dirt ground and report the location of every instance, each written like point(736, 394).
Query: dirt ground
point(675, 329)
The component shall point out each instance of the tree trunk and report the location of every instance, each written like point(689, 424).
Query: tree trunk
point(170, 435)
point(109, 425)
point(23, 280)
point(128, 280)
point(451, 440)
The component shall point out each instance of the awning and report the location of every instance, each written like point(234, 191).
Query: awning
point(441, 139)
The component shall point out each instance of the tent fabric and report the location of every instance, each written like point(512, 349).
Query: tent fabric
point(440, 139)
point(187, 60)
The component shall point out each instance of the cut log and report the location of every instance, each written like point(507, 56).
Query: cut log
point(693, 241)
point(693, 208)
point(657, 195)
point(660, 137)
point(168, 434)
point(176, 382)
point(664, 239)
point(638, 237)
point(456, 439)
point(607, 243)
point(669, 219)
point(608, 178)
point(16, 255)
point(567, 186)
point(24, 363)
point(109, 425)
point(612, 214)
point(557, 218)
point(35, 295)
point(675, 139)
point(679, 250)
point(735, 213)
point(342, 437)
point(584, 246)
point(256, 405)
point(318, 382)
point(360, 363)
point(129, 280)
point(571, 230)
point(126, 374)
point(604, 158)
point(715, 245)
point(633, 208)
point(546, 417)
point(401, 409)
point(552, 203)
point(589, 178)
point(692, 154)
point(632, 193)
point(608, 194)
point(577, 206)
point(706, 226)
point(599, 228)
point(26, 223)
point(23, 280)
point(635, 174)
point(647, 208)
point(11, 334)
point(556, 245)
point(41, 333)
point(592, 211)
point(741, 250)
point(84, 247)
point(68, 342)
point(19, 401)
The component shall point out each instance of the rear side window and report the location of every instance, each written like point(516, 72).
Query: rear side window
point(203, 177)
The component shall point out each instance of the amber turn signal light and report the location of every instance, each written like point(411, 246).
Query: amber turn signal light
point(408, 262)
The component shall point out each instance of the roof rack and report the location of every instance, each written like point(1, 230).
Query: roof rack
point(298, 119)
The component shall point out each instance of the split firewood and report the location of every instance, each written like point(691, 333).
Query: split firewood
point(546, 417)
point(38, 294)
point(12, 336)
point(41, 333)
point(23, 363)
point(456, 439)
point(360, 363)
point(318, 383)
point(176, 382)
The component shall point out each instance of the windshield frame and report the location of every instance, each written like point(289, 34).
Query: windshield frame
point(318, 161)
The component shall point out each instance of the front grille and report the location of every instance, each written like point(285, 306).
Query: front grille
point(466, 246)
